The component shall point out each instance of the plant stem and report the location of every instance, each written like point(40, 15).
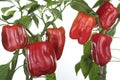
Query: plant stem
point(97, 19)
point(18, 68)
point(5, 21)
point(47, 24)
point(102, 73)
point(27, 76)
point(29, 32)
point(20, 8)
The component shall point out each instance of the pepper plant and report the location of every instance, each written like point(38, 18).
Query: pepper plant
point(40, 55)
point(94, 29)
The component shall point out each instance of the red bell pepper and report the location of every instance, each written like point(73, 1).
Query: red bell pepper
point(101, 48)
point(40, 58)
point(82, 27)
point(107, 15)
point(14, 37)
point(56, 36)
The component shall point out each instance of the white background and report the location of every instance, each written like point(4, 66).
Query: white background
point(72, 52)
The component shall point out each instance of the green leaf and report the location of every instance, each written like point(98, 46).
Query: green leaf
point(86, 64)
point(4, 70)
point(31, 39)
point(33, 0)
point(15, 59)
point(4, 9)
point(10, 74)
point(48, 17)
point(80, 5)
point(27, 6)
point(56, 13)
point(51, 76)
point(113, 30)
point(99, 2)
point(66, 1)
point(9, 15)
point(24, 20)
point(25, 67)
point(24, 52)
point(4, 0)
point(118, 7)
point(77, 67)
point(50, 2)
point(50, 23)
point(31, 78)
point(54, 25)
point(11, 12)
point(87, 48)
point(33, 8)
point(97, 72)
point(17, 0)
point(35, 19)
point(86, 60)
point(25, 70)
point(94, 72)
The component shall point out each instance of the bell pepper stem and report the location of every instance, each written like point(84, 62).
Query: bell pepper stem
point(27, 77)
point(97, 18)
point(31, 78)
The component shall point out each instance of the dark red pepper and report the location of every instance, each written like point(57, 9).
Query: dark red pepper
point(107, 15)
point(101, 48)
point(14, 37)
point(82, 27)
point(41, 58)
point(56, 36)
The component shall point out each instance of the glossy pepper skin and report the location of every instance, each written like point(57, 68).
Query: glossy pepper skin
point(14, 37)
point(56, 36)
point(40, 58)
point(107, 15)
point(82, 27)
point(101, 48)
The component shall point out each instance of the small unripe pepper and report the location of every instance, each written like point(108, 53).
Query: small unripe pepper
point(56, 36)
point(14, 37)
point(82, 27)
point(41, 58)
point(101, 48)
point(107, 15)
